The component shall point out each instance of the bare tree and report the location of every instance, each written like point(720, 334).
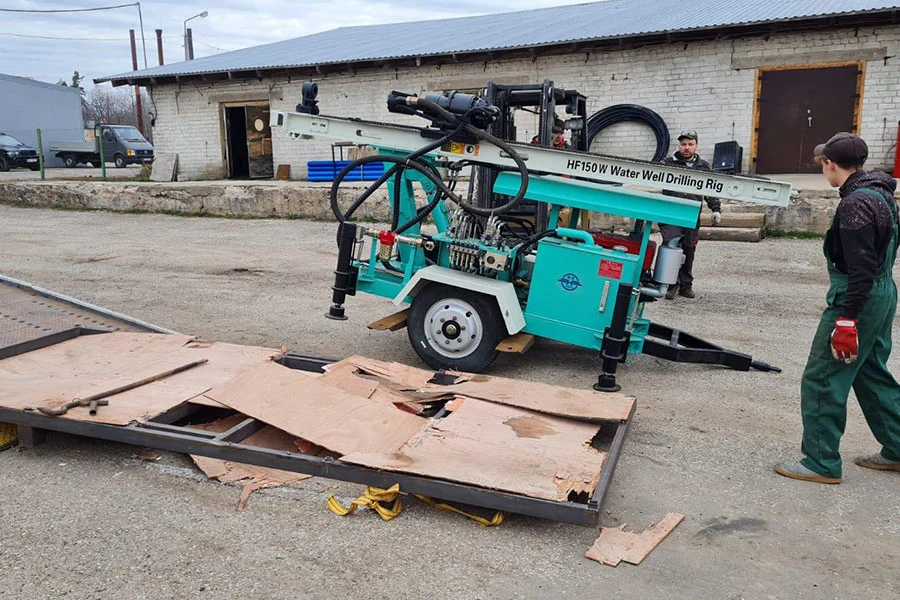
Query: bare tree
point(116, 106)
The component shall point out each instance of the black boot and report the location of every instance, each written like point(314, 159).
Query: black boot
point(672, 292)
point(687, 292)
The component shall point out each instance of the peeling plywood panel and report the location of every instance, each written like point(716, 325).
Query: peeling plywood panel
point(76, 367)
point(500, 447)
point(267, 437)
point(310, 409)
point(586, 405)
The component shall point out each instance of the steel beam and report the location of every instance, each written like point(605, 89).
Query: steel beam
point(592, 167)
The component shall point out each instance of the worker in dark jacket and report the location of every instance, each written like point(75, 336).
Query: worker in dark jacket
point(853, 341)
point(558, 136)
point(686, 156)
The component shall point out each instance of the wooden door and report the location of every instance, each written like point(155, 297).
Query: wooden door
point(800, 108)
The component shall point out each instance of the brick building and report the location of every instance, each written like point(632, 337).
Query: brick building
point(776, 76)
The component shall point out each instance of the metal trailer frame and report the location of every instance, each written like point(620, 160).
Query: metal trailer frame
point(680, 346)
point(163, 432)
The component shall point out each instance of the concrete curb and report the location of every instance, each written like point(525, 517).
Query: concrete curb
point(288, 199)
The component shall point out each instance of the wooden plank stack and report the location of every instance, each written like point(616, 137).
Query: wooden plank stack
point(735, 227)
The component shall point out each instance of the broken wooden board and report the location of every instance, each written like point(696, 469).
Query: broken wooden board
point(516, 344)
point(283, 173)
point(307, 408)
point(392, 322)
point(500, 447)
point(267, 437)
point(586, 405)
point(73, 368)
point(615, 544)
point(344, 376)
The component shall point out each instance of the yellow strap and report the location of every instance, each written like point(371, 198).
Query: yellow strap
point(497, 519)
point(9, 435)
point(385, 502)
point(388, 505)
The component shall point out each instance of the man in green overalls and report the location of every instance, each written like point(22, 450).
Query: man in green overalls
point(853, 341)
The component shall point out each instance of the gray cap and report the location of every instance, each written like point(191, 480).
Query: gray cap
point(844, 149)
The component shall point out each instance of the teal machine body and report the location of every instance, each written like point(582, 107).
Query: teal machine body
point(476, 278)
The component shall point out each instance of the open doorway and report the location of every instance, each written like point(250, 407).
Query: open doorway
point(236, 142)
point(248, 140)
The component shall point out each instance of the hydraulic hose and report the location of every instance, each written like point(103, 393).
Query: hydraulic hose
point(624, 113)
point(335, 208)
point(427, 170)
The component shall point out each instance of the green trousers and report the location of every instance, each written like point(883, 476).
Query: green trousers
point(827, 382)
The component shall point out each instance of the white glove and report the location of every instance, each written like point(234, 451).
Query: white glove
point(716, 217)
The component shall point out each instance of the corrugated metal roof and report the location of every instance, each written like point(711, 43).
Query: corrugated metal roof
point(541, 27)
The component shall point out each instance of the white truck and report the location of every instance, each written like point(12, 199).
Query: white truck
point(122, 144)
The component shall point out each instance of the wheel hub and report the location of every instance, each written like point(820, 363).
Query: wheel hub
point(453, 328)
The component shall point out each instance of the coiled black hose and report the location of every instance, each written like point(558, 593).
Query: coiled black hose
point(624, 113)
point(411, 162)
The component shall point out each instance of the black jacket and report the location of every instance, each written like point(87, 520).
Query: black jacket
point(696, 163)
point(861, 234)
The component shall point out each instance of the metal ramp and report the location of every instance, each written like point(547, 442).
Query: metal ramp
point(32, 318)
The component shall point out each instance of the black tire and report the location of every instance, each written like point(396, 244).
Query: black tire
point(436, 312)
point(70, 161)
point(4, 164)
point(120, 161)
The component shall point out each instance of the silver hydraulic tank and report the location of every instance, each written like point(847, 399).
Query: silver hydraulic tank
point(669, 259)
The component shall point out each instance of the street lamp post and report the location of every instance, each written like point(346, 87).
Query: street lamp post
point(188, 55)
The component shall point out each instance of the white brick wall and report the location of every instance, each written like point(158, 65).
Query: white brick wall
point(690, 85)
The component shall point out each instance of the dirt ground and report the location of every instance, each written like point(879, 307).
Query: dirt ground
point(83, 519)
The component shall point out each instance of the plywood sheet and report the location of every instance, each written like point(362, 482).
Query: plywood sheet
point(68, 370)
point(346, 377)
point(586, 405)
point(615, 544)
point(500, 447)
point(307, 408)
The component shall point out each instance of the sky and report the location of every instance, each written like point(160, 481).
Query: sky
point(97, 42)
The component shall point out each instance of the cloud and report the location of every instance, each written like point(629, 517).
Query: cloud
point(102, 46)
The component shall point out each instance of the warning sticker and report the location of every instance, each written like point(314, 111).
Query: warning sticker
point(458, 148)
point(610, 269)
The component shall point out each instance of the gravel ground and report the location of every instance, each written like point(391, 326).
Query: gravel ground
point(83, 519)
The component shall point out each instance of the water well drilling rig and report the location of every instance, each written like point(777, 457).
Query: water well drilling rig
point(481, 277)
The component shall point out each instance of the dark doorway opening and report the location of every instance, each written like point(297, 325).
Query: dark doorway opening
point(236, 139)
point(800, 108)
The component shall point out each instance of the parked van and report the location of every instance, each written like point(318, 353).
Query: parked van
point(122, 145)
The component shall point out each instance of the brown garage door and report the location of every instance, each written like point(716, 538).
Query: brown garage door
point(799, 108)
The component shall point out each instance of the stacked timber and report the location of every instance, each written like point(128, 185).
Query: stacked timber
point(735, 227)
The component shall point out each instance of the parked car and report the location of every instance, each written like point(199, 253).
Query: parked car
point(14, 153)
point(122, 145)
